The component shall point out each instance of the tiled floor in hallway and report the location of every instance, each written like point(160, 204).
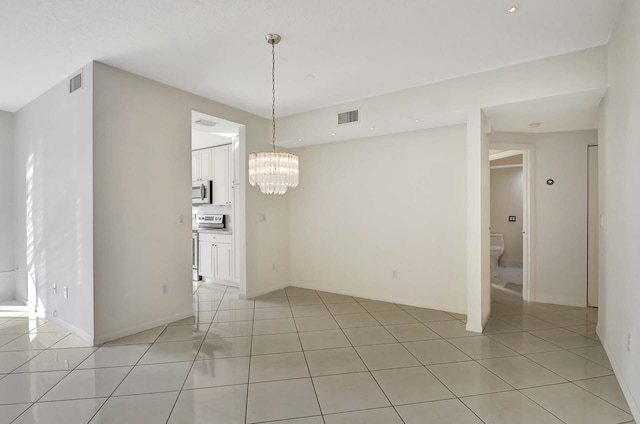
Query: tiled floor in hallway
point(299, 356)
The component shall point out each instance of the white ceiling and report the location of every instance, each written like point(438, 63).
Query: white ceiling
point(576, 111)
point(354, 48)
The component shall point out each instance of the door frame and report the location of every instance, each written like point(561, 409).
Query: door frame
point(239, 218)
point(528, 211)
point(589, 146)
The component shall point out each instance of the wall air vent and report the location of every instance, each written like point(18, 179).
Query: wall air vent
point(75, 83)
point(206, 123)
point(349, 117)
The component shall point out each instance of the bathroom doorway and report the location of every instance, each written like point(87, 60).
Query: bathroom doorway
point(510, 191)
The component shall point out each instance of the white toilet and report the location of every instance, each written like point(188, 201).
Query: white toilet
point(497, 249)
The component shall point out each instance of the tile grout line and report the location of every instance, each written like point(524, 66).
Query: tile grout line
point(74, 369)
point(360, 357)
point(199, 348)
point(58, 382)
point(359, 302)
point(125, 377)
point(428, 370)
point(305, 356)
point(246, 402)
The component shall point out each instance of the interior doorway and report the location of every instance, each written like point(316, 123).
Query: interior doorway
point(506, 182)
point(593, 224)
point(511, 184)
point(218, 201)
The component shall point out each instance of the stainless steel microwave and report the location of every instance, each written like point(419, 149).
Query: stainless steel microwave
point(201, 192)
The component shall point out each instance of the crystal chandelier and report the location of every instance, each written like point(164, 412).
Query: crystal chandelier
point(274, 172)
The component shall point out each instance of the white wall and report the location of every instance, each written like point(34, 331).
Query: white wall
point(619, 294)
point(54, 203)
point(447, 102)
point(365, 207)
point(560, 213)
point(561, 216)
point(506, 200)
point(7, 263)
point(478, 222)
point(142, 176)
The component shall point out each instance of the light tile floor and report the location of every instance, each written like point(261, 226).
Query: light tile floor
point(299, 356)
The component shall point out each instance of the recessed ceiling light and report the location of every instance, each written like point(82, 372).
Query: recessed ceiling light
point(310, 77)
point(512, 9)
point(372, 128)
point(417, 120)
point(535, 124)
point(299, 140)
point(333, 133)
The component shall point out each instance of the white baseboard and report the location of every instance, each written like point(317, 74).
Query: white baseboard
point(402, 301)
point(115, 335)
point(255, 293)
point(474, 327)
point(7, 285)
point(73, 329)
point(633, 405)
point(558, 300)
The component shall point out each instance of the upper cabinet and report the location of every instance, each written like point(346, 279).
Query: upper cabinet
point(206, 164)
point(195, 165)
point(215, 164)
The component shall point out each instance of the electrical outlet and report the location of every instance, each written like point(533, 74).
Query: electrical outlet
point(628, 342)
point(66, 293)
point(55, 288)
point(165, 289)
point(394, 273)
point(55, 313)
point(273, 265)
point(181, 220)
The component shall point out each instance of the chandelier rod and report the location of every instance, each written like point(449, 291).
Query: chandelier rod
point(273, 39)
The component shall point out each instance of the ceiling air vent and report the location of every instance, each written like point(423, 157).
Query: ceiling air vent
point(75, 83)
point(348, 117)
point(206, 123)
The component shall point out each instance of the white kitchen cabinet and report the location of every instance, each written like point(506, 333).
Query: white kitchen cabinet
point(201, 164)
point(223, 261)
point(216, 256)
point(216, 164)
point(206, 259)
point(205, 159)
point(195, 165)
point(221, 183)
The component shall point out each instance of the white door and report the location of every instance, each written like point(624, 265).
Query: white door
point(223, 267)
point(593, 229)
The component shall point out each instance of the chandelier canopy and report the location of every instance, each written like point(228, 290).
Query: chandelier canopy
point(274, 172)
